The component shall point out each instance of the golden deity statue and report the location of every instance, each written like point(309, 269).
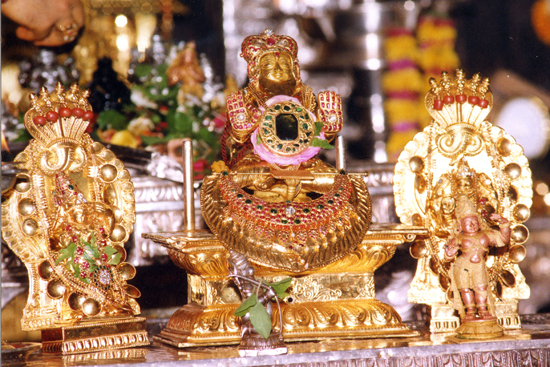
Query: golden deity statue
point(291, 216)
point(460, 164)
point(67, 218)
point(278, 202)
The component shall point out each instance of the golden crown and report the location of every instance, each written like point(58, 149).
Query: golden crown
point(253, 47)
point(465, 207)
point(59, 116)
point(460, 101)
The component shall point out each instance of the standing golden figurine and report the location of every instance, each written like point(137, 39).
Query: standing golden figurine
point(287, 212)
point(470, 185)
point(67, 218)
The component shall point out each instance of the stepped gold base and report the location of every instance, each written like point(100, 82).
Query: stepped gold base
point(194, 325)
point(99, 335)
point(334, 301)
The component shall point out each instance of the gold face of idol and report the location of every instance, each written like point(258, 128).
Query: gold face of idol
point(276, 74)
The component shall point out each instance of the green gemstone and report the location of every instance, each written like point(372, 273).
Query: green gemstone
point(225, 173)
point(306, 116)
point(320, 206)
point(297, 221)
point(279, 146)
point(266, 131)
point(284, 221)
point(71, 187)
point(286, 108)
point(304, 126)
point(239, 195)
point(330, 202)
point(268, 117)
point(248, 201)
point(273, 211)
point(259, 207)
point(337, 194)
point(277, 107)
point(298, 109)
point(287, 149)
point(308, 133)
point(306, 210)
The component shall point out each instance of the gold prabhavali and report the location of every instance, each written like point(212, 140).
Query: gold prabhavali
point(67, 218)
point(461, 153)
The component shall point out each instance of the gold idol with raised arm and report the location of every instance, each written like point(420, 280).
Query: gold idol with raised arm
point(470, 185)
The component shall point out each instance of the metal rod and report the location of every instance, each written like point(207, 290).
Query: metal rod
point(340, 147)
point(188, 183)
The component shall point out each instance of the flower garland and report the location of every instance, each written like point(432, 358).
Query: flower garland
point(412, 60)
point(401, 83)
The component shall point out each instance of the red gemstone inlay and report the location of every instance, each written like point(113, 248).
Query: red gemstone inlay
point(448, 99)
point(39, 120)
point(52, 116)
point(78, 112)
point(88, 115)
point(473, 99)
point(438, 104)
point(270, 41)
point(65, 112)
point(461, 98)
point(483, 103)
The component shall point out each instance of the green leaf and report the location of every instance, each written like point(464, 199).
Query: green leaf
point(111, 119)
point(260, 320)
point(208, 136)
point(180, 122)
point(110, 250)
point(246, 305)
point(258, 139)
point(318, 128)
point(142, 70)
point(280, 287)
point(92, 269)
point(91, 249)
point(321, 143)
point(116, 259)
point(66, 253)
point(152, 140)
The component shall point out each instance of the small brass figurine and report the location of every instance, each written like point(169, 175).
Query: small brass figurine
point(462, 164)
point(468, 273)
point(67, 219)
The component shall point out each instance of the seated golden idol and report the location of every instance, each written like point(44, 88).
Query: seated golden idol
point(276, 202)
point(290, 214)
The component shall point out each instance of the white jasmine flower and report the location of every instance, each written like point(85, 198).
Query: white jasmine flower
point(141, 100)
point(140, 125)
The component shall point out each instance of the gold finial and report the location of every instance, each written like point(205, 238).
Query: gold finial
point(458, 100)
point(460, 81)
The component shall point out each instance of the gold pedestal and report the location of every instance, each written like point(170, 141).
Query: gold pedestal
point(335, 301)
point(99, 335)
point(480, 330)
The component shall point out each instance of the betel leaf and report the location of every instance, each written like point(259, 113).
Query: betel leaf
point(260, 320)
point(246, 305)
point(318, 128)
point(321, 143)
point(280, 287)
point(66, 253)
point(109, 250)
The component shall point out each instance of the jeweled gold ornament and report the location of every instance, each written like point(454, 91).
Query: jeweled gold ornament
point(60, 221)
point(285, 211)
point(462, 155)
